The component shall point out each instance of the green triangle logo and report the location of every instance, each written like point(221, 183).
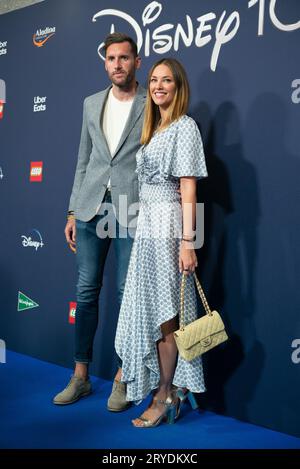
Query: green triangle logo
point(25, 303)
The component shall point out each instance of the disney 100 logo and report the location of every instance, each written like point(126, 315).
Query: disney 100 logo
point(161, 41)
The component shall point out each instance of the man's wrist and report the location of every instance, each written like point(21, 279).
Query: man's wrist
point(70, 215)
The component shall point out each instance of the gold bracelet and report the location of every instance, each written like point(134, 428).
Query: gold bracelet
point(70, 217)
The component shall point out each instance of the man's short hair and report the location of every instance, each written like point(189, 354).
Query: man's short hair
point(117, 38)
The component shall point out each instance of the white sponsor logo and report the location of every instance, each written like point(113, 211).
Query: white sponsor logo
point(2, 351)
point(296, 93)
point(296, 353)
point(273, 17)
point(27, 241)
point(199, 32)
point(3, 48)
point(43, 32)
point(36, 171)
point(39, 103)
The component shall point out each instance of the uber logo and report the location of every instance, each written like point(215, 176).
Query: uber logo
point(39, 103)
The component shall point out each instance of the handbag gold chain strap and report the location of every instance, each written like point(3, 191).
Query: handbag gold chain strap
point(202, 296)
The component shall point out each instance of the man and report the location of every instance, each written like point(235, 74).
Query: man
point(110, 138)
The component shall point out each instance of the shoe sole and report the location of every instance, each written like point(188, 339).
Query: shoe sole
point(74, 400)
point(118, 410)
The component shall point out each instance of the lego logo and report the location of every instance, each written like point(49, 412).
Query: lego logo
point(72, 312)
point(36, 171)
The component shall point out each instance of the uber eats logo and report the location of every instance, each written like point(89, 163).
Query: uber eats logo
point(39, 103)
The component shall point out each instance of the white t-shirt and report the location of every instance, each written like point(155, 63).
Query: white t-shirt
point(115, 116)
point(114, 119)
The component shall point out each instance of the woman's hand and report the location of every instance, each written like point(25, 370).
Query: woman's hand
point(187, 258)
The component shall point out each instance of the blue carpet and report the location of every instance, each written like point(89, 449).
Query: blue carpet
point(30, 420)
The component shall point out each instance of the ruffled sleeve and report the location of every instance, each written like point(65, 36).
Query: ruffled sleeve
point(184, 155)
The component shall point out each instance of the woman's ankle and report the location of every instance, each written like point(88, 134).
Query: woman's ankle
point(163, 393)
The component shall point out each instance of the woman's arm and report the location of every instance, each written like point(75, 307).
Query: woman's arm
point(187, 257)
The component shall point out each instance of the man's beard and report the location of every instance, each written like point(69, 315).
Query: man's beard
point(124, 82)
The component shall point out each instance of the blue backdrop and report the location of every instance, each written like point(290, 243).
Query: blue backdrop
point(242, 60)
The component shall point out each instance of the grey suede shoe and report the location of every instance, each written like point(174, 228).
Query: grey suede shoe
point(76, 389)
point(117, 400)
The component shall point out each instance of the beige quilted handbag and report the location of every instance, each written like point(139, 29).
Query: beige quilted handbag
point(201, 335)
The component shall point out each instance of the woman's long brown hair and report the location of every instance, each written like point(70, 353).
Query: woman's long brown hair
point(176, 109)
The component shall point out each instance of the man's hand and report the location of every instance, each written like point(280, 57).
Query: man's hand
point(70, 233)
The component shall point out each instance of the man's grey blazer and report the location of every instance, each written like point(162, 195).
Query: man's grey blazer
point(96, 165)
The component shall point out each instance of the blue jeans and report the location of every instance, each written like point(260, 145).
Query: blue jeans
point(91, 253)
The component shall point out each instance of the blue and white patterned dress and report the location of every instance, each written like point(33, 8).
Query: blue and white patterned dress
point(151, 295)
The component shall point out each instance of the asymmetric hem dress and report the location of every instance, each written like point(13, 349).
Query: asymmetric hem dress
point(151, 295)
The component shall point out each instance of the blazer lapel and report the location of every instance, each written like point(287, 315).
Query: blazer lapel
point(136, 110)
point(100, 110)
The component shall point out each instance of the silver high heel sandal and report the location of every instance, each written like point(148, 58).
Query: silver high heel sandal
point(183, 396)
point(169, 414)
point(187, 395)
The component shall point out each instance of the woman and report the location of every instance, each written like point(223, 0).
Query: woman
point(168, 164)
